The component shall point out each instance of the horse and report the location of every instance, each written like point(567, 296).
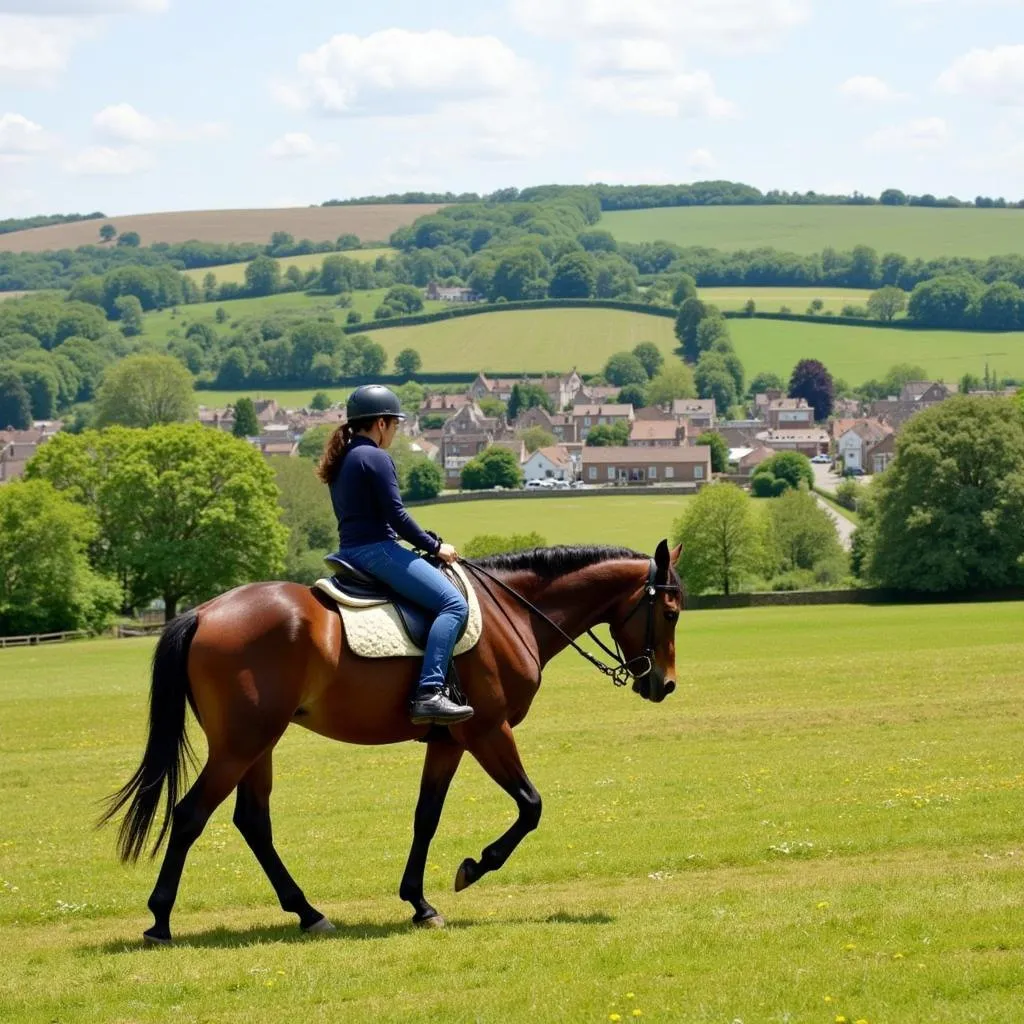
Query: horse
point(263, 656)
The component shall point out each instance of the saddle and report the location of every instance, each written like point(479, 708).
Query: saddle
point(382, 624)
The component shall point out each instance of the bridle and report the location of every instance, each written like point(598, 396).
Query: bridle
point(625, 670)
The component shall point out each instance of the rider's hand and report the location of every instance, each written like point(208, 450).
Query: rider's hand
point(447, 554)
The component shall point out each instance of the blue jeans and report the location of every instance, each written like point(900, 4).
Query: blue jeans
point(412, 577)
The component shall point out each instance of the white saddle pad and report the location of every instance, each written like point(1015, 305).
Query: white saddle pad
point(374, 629)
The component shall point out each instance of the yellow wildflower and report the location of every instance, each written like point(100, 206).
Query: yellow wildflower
point(615, 1016)
point(822, 904)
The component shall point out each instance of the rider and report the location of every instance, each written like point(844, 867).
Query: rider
point(364, 492)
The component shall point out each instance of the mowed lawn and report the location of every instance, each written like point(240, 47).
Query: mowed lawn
point(771, 300)
point(822, 824)
point(234, 273)
point(912, 231)
point(860, 353)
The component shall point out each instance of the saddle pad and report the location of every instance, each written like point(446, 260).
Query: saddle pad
point(375, 630)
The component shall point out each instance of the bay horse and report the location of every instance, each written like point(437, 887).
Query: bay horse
point(265, 655)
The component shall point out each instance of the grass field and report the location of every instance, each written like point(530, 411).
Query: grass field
point(318, 223)
point(912, 231)
point(771, 300)
point(822, 824)
point(859, 353)
point(234, 273)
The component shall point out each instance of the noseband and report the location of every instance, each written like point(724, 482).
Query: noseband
point(624, 671)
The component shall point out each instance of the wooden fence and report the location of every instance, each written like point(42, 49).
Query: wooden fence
point(42, 638)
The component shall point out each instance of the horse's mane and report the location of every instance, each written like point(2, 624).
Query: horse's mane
point(551, 563)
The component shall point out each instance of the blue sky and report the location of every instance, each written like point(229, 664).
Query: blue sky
point(131, 106)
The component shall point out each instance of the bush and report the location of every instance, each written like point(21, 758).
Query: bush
point(796, 579)
point(486, 544)
point(424, 480)
point(848, 494)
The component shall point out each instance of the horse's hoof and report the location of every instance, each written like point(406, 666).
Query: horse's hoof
point(321, 927)
point(156, 940)
point(436, 921)
point(466, 875)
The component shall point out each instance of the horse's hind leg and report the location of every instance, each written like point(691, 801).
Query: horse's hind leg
point(499, 757)
point(188, 820)
point(252, 817)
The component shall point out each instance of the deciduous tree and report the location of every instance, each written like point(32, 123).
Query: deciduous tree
point(407, 362)
point(494, 467)
point(887, 303)
point(145, 390)
point(673, 381)
point(624, 368)
point(812, 382)
point(15, 407)
point(719, 450)
point(650, 356)
point(246, 424)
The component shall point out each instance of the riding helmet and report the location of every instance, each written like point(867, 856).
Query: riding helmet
point(373, 400)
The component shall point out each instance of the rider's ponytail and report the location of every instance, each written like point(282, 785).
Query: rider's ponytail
point(334, 453)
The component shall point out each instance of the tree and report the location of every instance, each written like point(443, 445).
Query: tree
point(672, 382)
point(128, 310)
point(307, 515)
point(608, 435)
point(320, 402)
point(15, 408)
point(650, 356)
point(424, 480)
point(691, 312)
point(130, 239)
point(519, 274)
point(1001, 307)
point(969, 382)
point(900, 374)
point(574, 277)
point(42, 383)
point(536, 437)
point(493, 467)
point(361, 356)
point(246, 424)
point(526, 396)
point(893, 197)
point(715, 380)
point(184, 512)
point(263, 276)
point(722, 540)
point(886, 303)
point(46, 583)
point(107, 232)
point(713, 335)
point(791, 467)
point(802, 534)
point(314, 440)
point(144, 390)
point(812, 382)
point(766, 381)
point(719, 450)
point(407, 362)
point(685, 288)
point(404, 299)
point(634, 395)
point(948, 511)
point(946, 301)
point(624, 368)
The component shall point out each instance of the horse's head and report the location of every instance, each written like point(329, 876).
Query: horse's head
point(647, 627)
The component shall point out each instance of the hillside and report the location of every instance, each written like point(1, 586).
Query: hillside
point(234, 273)
point(318, 223)
point(912, 231)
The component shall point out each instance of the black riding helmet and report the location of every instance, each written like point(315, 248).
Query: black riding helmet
point(373, 400)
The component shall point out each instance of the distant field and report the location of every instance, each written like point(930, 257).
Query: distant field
point(859, 353)
point(318, 223)
point(234, 273)
point(771, 300)
point(912, 231)
point(13, 295)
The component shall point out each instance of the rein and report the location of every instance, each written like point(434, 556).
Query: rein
point(621, 673)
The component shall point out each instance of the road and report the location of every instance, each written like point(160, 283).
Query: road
point(844, 528)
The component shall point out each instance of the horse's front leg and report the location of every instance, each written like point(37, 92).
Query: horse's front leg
point(496, 751)
point(439, 767)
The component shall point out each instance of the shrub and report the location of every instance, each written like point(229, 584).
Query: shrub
point(848, 494)
point(494, 544)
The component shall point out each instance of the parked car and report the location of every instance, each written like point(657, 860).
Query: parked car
point(561, 485)
point(853, 471)
point(822, 458)
point(548, 484)
point(532, 485)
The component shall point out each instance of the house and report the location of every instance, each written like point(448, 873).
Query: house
point(492, 387)
point(855, 443)
point(883, 453)
point(586, 417)
point(750, 459)
point(18, 446)
point(789, 414)
point(465, 435)
point(552, 463)
point(739, 433)
point(595, 394)
point(698, 412)
point(808, 442)
point(663, 433)
point(433, 403)
point(615, 465)
point(218, 419)
point(560, 389)
point(438, 292)
point(915, 396)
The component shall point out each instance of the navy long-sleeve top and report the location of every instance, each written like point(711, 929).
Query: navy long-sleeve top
point(367, 502)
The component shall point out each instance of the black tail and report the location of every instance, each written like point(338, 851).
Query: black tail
point(168, 751)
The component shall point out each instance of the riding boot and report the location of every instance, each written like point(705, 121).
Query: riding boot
point(434, 707)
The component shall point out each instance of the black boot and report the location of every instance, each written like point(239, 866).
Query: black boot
point(435, 708)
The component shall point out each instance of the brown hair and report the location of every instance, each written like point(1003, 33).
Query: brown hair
point(337, 446)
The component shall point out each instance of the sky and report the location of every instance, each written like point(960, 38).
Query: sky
point(134, 106)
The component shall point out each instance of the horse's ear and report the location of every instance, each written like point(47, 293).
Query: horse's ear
point(662, 558)
point(677, 553)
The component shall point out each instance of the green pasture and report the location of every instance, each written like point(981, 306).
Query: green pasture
point(771, 300)
point(823, 824)
point(632, 521)
point(912, 231)
point(234, 273)
point(859, 353)
point(286, 398)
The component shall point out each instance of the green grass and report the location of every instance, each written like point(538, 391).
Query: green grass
point(912, 231)
point(286, 398)
point(637, 522)
point(859, 353)
point(823, 822)
point(234, 273)
point(771, 300)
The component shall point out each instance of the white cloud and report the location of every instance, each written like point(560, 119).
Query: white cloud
point(106, 161)
point(670, 95)
point(122, 123)
point(292, 146)
point(730, 25)
point(700, 160)
point(20, 138)
point(36, 50)
point(396, 72)
point(921, 135)
point(996, 75)
point(869, 88)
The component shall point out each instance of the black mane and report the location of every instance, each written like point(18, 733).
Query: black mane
point(551, 563)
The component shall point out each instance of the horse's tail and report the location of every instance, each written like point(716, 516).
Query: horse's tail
point(168, 751)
